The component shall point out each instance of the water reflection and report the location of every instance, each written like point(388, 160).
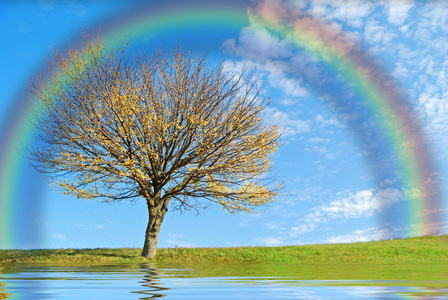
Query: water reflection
point(151, 280)
point(225, 281)
point(3, 294)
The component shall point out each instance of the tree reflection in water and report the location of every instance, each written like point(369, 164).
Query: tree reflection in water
point(3, 295)
point(151, 280)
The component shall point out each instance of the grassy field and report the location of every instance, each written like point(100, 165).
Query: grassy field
point(429, 249)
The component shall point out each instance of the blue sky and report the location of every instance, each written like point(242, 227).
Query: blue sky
point(331, 194)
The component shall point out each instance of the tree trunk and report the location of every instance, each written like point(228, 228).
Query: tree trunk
point(156, 215)
point(151, 238)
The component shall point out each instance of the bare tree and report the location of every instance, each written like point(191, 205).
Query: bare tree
point(167, 128)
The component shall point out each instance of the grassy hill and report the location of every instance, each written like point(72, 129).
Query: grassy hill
point(428, 249)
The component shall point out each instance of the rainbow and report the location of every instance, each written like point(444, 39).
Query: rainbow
point(383, 99)
point(381, 96)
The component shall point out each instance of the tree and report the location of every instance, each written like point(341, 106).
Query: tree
point(166, 128)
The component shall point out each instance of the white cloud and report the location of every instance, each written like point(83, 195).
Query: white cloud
point(178, 240)
point(297, 126)
point(273, 57)
point(303, 229)
point(366, 235)
point(375, 33)
point(257, 43)
point(288, 102)
point(354, 12)
point(436, 15)
point(407, 54)
point(270, 241)
point(238, 66)
point(434, 110)
point(398, 11)
point(327, 122)
point(320, 150)
point(308, 194)
point(290, 125)
point(273, 225)
point(318, 140)
point(422, 34)
point(176, 235)
point(360, 204)
point(277, 75)
point(291, 87)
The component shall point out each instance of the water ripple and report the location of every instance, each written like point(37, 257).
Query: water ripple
point(243, 281)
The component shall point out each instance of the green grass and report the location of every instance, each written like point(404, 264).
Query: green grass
point(428, 249)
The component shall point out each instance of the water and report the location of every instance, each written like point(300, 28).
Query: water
point(221, 281)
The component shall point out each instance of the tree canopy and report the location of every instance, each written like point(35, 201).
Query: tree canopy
point(168, 128)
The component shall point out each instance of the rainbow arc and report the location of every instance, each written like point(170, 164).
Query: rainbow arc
point(386, 104)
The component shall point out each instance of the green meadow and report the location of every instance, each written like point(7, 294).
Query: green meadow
point(428, 249)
